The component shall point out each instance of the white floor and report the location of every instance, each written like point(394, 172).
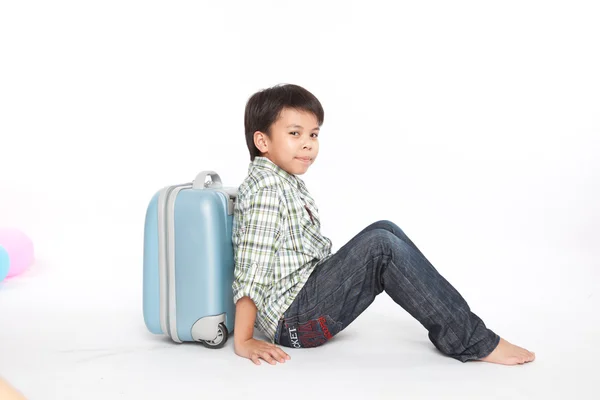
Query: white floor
point(72, 328)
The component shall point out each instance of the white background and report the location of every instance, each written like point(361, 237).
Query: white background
point(472, 125)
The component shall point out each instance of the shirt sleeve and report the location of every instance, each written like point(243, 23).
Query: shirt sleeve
point(256, 242)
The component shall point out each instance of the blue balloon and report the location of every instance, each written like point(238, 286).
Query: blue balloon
point(4, 263)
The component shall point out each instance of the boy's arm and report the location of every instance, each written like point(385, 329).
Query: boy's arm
point(256, 244)
point(245, 315)
point(244, 344)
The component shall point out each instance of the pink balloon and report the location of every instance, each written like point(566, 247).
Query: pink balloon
point(19, 248)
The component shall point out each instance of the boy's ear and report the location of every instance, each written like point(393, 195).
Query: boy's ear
point(261, 141)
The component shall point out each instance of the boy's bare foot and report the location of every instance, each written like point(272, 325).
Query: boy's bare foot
point(508, 354)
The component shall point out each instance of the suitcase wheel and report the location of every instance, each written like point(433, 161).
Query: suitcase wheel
point(219, 341)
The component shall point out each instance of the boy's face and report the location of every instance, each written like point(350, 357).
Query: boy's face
point(294, 143)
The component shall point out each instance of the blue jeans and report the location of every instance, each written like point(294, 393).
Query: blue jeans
point(382, 258)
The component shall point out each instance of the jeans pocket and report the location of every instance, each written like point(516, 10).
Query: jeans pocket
point(307, 333)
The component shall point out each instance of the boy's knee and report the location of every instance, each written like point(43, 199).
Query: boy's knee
point(381, 224)
point(381, 241)
point(387, 225)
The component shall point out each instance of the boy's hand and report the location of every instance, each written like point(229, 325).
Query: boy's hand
point(256, 349)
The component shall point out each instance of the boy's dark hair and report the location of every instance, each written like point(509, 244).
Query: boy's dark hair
point(263, 109)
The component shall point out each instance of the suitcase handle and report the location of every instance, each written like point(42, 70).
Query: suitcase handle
point(200, 181)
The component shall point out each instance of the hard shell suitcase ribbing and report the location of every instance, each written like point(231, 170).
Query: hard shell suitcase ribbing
point(188, 261)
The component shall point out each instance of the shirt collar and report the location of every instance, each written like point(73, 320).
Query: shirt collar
point(265, 163)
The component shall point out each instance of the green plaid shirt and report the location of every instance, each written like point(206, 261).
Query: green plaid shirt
point(276, 240)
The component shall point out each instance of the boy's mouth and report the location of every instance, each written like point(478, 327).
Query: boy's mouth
point(304, 159)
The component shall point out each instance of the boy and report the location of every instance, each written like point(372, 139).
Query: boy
point(288, 284)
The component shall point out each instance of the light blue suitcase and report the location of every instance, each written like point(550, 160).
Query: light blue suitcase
point(188, 262)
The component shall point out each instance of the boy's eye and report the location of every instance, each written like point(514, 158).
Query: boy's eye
point(315, 134)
